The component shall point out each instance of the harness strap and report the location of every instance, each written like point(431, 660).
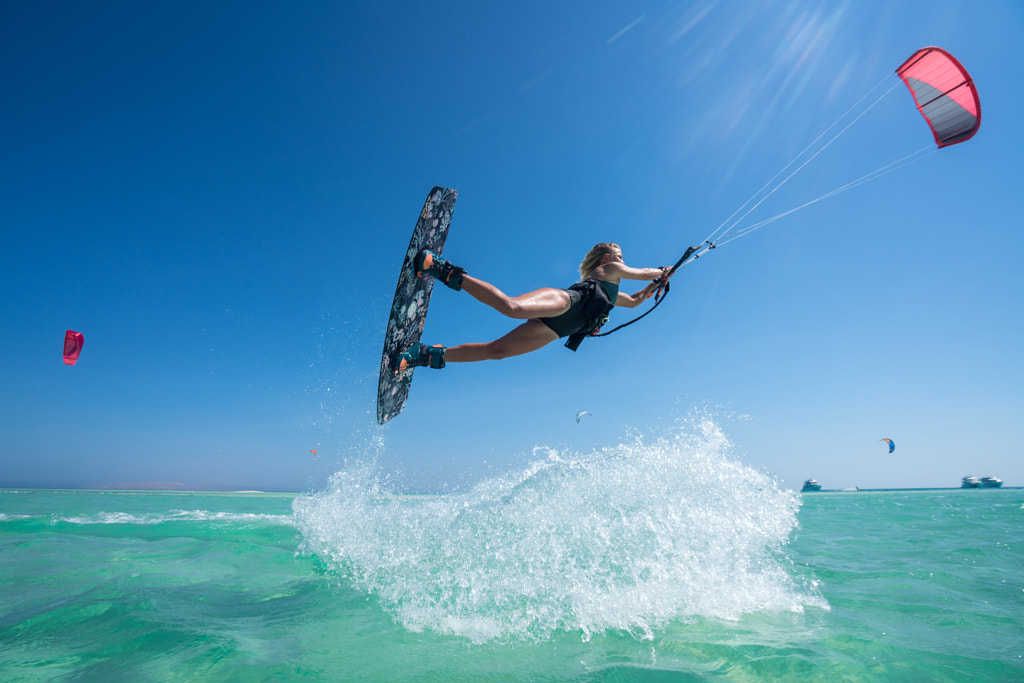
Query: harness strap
point(659, 296)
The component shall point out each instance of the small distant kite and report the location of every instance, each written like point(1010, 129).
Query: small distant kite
point(73, 342)
point(313, 451)
point(892, 444)
point(581, 414)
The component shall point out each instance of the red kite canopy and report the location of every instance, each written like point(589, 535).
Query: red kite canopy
point(73, 342)
point(944, 93)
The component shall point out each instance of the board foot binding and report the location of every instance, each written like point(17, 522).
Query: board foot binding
point(429, 263)
point(421, 355)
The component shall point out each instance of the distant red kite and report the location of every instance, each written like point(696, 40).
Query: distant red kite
point(73, 342)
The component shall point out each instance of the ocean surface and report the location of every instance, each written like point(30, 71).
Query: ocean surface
point(661, 561)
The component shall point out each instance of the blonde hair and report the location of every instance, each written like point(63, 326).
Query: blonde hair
point(594, 256)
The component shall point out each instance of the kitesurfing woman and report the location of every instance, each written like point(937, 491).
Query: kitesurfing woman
point(549, 313)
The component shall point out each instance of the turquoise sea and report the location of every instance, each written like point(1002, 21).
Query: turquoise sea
point(662, 561)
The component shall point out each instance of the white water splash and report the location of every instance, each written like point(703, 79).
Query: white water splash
point(628, 538)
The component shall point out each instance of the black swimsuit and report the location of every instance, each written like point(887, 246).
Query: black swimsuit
point(580, 316)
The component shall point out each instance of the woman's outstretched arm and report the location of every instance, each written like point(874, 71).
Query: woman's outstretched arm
point(634, 300)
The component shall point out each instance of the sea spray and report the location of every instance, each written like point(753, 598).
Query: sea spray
point(626, 538)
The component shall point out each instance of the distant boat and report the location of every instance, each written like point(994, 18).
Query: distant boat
point(991, 482)
point(970, 483)
point(811, 485)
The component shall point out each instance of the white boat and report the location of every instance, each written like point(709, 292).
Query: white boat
point(991, 482)
point(970, 483)
point(811, 485)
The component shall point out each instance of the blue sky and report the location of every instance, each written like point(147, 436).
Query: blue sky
point(219, 195)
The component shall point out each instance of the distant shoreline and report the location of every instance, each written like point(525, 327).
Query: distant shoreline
point(298, 493)
point(92, 489)
point(940, 488)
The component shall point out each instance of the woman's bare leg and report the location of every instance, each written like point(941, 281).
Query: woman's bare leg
point(530, 336)
point(546, 302)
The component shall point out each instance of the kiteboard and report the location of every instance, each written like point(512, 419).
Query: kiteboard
point(412, 296)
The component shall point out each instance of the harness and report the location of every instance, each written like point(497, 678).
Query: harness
point(595, 309)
